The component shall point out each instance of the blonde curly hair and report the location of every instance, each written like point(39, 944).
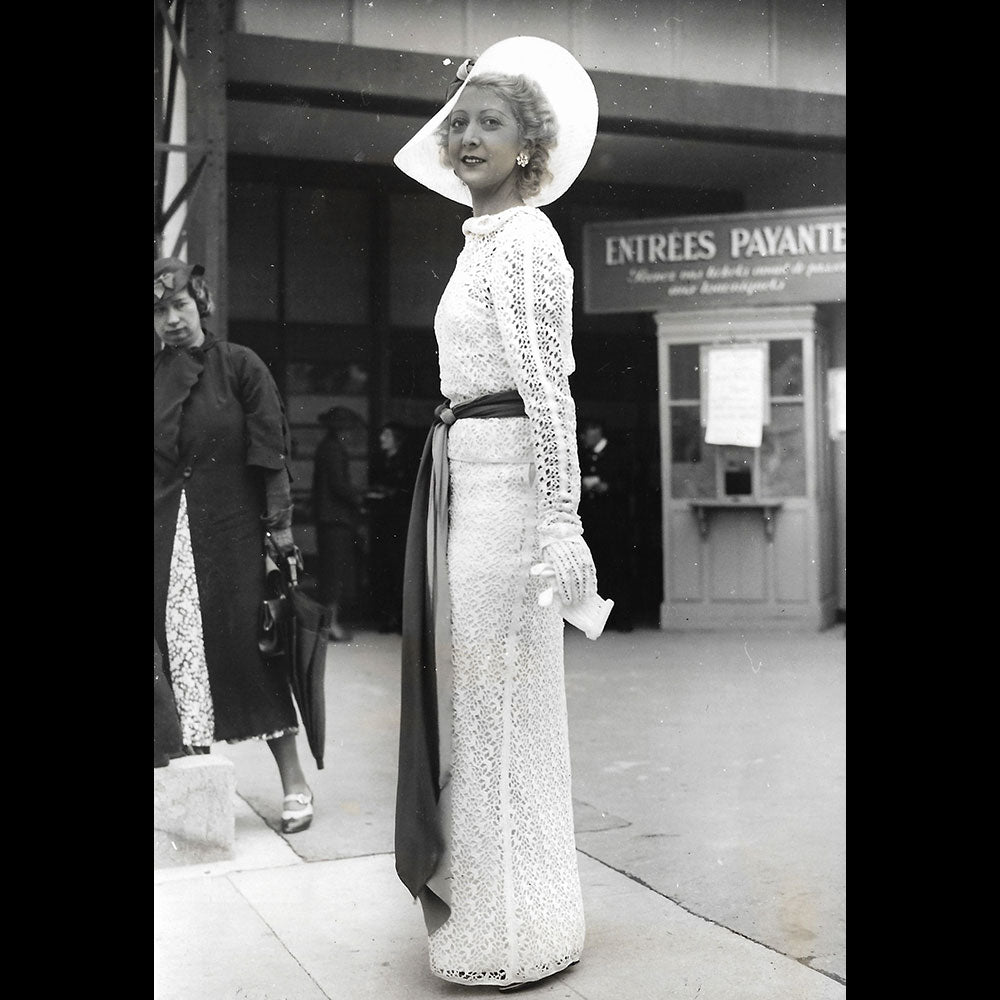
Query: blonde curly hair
point(536, 125)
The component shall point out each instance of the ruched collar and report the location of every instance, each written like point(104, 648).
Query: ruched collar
point(176, 370)
point(195, 352)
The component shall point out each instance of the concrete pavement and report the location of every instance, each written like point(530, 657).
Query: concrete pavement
point(709, 785)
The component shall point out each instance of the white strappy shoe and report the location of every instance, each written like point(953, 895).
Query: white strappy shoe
point(295, 820)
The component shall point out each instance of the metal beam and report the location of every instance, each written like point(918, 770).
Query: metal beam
point(185, 192)
point(174, 27)
point(176, 59)
point(206, 102)
point(178, 147)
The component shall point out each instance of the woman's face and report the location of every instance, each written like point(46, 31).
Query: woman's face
point(177, 322)
point(483, 140)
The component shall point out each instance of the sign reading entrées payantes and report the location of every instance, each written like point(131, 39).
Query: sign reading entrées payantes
point(716, 261)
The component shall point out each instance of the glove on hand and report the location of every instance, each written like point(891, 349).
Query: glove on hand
point(282, 538)
point(575, 573)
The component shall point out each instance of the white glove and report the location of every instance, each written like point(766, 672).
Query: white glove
point(570, 568)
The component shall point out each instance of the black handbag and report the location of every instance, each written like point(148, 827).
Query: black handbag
point(271, 637)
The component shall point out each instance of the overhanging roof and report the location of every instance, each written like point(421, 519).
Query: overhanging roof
point(273, 70)
point(322, 101)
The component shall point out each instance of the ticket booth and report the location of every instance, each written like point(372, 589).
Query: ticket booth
point(749, 500)
point(748, 521)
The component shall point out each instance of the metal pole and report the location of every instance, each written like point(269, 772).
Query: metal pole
point(206, 215)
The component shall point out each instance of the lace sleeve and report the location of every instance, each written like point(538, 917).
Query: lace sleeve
point(532, 286)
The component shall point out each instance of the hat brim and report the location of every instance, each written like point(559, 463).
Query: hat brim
point(566, 86)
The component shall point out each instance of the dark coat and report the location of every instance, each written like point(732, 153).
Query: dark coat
point(218, 423)
point(607, 526)
point(389, 502)
point(334, 499)
point(391, 494)
point(336, 511)
point(605, 510)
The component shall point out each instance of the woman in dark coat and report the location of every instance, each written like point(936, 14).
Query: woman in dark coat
point(220, 446)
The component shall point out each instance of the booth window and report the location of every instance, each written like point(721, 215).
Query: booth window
point(783, 448)
point(703, 471)
point(692, 471)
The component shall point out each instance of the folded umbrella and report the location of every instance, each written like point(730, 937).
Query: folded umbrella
point(294, 626)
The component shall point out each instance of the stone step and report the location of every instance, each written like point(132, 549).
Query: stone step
point(193, 814)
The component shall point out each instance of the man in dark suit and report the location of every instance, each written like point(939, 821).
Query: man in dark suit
point(605, 499)
point(336, 510)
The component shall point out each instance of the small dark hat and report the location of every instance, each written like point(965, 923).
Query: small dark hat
point(171, 276)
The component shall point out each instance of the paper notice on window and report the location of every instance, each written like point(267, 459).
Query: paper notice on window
point(736, 395)
point(837, 394)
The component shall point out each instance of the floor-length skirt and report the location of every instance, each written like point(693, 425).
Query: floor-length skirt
point(516, 905)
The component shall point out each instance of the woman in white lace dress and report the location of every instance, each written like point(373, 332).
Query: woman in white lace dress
point(484, 816)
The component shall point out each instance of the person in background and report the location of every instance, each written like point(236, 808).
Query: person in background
point(605, 477)
point(220, 482)
point(337, 513)
point(167, 741)
point(484, 809)
point(388, 505)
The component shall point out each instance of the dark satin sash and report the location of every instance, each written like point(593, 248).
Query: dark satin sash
point(424, 747)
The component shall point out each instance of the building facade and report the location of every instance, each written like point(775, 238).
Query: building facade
point(275, 141)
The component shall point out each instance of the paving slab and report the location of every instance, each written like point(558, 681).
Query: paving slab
point(355, 793)
point(724, 760)
point(642, 946)
point(709, 767)
point(210, 943)
point(353, 931)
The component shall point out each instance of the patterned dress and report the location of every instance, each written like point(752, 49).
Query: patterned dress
point(509, 872)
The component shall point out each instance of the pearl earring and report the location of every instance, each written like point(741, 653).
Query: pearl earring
point(522, 159)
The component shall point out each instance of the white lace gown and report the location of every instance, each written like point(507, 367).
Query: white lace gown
point(504, 322)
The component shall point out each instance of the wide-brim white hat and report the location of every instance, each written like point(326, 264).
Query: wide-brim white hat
point(569, 92)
